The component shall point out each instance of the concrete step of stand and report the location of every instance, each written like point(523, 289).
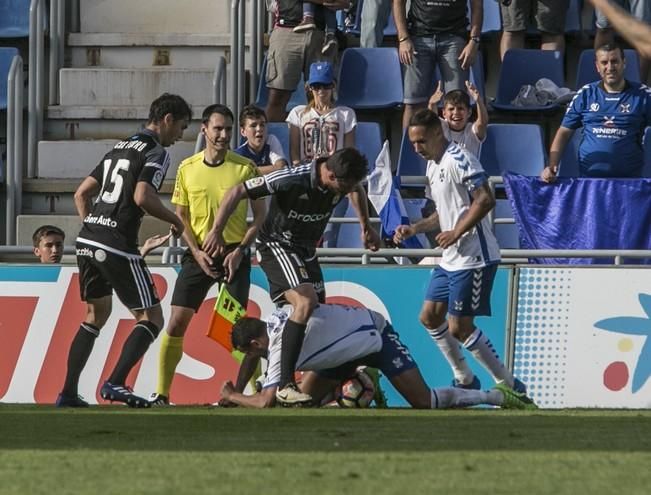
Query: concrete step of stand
point(102, 87)
point(76, 159)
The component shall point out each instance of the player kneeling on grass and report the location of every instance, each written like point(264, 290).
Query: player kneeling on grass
point(338, 339)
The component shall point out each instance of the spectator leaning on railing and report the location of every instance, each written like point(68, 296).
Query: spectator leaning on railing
point(613, 113)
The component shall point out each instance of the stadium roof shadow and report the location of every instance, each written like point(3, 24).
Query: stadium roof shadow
point(236, 430)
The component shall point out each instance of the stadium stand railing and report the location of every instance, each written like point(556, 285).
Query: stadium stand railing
point(11, 101)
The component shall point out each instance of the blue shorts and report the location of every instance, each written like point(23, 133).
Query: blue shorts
point(466, 292)
point(394, 358)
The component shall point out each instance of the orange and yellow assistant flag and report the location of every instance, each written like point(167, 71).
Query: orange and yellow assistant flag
point(227, 312)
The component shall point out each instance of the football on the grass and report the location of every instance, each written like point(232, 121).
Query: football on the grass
point(357, 391)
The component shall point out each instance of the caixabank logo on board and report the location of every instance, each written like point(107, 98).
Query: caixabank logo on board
point(617, 374)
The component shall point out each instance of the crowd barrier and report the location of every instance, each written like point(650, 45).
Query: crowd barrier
point(577, 336)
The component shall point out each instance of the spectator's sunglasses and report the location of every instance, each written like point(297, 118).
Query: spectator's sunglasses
point(319, 86)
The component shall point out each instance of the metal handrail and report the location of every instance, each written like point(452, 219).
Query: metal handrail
point(14, 146)
point(36, 84)
point(56, 49)
point(238, 18)
point(366, 256)
point(219, 81)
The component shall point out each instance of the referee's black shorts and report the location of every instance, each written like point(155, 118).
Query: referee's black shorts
point(193, 284)
point(103, 269)
point(287, 267)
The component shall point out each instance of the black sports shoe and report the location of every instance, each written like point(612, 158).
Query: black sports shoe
point(121, 393)
point(158, 400)
point(66, 401)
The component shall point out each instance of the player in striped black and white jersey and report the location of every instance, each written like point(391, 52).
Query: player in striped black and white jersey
point(461, 286)
point(303, 199)
point(339, 339)
point(125, 185)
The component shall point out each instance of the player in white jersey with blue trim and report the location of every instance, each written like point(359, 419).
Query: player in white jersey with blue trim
point(338, 339)
point(461, 286)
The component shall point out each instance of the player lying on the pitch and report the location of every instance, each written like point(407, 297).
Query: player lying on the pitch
point(338, 339)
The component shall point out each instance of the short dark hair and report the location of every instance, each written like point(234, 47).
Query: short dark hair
point(216, 108)
point(245, 330)
point(610, 47)
point(457, 97)
point(45, 230)
point(251, 112)
point(348, 164)
point(169, 103)
point(425, 118)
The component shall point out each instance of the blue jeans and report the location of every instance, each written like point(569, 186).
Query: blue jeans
point(440, 50)
point(330, 16)
point(375, 14)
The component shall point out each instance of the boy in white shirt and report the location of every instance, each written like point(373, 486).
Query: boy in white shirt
point(456, 117)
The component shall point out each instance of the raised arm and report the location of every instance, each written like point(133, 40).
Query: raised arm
point(636, 32)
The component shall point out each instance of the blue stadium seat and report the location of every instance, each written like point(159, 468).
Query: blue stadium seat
point(298, 96)
point(14, 18)
point(569, 164)
point(390, 29)
point(370, 79)
point(409, 162)
point(506, 233)
point(281, 131)
point(368, 140)
point(513, 148)
point(7, 55)
point(522, 67)
point(492, 17)
point(349, 233)
point(587, 72)
point(646, 171)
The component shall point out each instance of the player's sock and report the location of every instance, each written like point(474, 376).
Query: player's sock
point(482, 348)
point(451, 349)
point(446, 398)
point(80, 350)
point(171, 351)
point(142, 335)
point(293, 335)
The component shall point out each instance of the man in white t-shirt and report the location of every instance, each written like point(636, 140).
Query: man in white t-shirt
point(320, 128)
point(338, 339)
point(461, 286)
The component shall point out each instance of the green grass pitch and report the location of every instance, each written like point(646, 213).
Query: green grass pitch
point(114, 450)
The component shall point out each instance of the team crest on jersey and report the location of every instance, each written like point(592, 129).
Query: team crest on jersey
point(441, 175)
point(255, 182)
point(594, 107)
point(303, 272)
point(609, 121)
point(100, 255)
point(625, 107)
point(336, 199)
